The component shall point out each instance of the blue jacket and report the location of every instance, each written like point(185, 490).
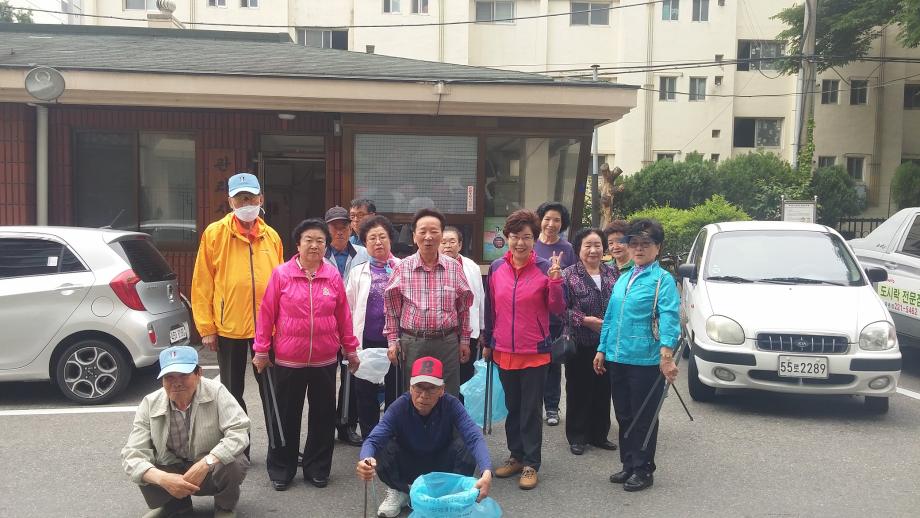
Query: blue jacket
point(418, 436)
point(626, 336)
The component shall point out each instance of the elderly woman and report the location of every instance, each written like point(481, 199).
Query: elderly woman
point(521, 293)
point(635, 353)
point(621, 259)
point(364, 289)
point(554, 220)
point(588, 284)
point(303, 321)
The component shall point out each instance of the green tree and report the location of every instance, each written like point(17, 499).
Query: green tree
point(837, 196)
point(905, 187)
point(845, 29)
point(682, 225)
point(678, 184)
point(757, 181)
point(11, 14)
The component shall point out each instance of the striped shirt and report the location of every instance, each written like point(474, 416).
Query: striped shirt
point(179, 425)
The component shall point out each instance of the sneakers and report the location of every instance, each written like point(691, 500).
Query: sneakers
point(172, 508)
point(393, 504)
point(223, 513)
point(528, 478)
point(510, 467)
point(552, 417)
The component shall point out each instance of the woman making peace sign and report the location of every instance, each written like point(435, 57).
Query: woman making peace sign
point(521, 292)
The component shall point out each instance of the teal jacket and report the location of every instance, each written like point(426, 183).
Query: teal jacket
point(626, 336)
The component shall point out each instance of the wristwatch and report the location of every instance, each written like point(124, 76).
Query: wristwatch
point(211, 461)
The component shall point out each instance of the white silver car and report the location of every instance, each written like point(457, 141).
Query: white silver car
point(785, 307)
point(82, 307)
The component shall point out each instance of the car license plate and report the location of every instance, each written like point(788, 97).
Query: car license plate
point(178, 333)
point(803, 367)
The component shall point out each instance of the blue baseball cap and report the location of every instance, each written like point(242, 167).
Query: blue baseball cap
point(181, 358)
point(243, 182)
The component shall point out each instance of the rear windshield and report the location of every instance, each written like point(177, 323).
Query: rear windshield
point(146, 261)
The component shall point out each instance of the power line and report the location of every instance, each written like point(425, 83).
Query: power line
point(367, 26)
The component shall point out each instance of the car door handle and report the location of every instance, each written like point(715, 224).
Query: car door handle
point(67, 288)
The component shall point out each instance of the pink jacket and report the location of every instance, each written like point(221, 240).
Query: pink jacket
point(518, 304)
point(310, 318)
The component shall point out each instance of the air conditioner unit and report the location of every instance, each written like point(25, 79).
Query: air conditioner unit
point(721, 3)
point(718, 80)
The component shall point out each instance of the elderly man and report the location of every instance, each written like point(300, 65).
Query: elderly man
point(427, 303)
point(360, 209)
point(188, 439)
point(345, 256)
point(235, 259)
point(425, 430)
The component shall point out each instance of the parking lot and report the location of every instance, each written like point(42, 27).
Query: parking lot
point(748, 454)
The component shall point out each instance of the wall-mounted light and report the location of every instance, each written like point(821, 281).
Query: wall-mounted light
point(287, 116)
point(337, 128)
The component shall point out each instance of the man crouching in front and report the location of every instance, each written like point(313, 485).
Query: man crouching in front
point(188, 439)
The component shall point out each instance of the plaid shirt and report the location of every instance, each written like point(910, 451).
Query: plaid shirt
point(583, 299)
point(419, 298)
point(179, 425)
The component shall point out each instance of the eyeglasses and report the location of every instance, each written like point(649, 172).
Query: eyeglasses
point(430, 391)
point(641, 244)
point(526, 239)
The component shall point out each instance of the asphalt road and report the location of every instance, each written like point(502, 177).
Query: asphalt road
point(749, 454)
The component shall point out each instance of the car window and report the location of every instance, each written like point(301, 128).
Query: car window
point(912, 241)
point(794, 257)
point(22, 257)
point(696, 252)
point(146, 261)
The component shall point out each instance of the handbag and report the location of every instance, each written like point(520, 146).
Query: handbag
point(655, 334)
point(564, 346)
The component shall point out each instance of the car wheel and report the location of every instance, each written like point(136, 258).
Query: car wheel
point(877, 405)
point(92, 371)
point(699, 391)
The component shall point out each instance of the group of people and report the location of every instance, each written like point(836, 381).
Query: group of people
point(302, 321)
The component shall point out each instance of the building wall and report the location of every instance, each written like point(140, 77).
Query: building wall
point(17, 164)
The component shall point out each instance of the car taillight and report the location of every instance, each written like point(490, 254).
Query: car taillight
point(125, 287)
point(151, 334)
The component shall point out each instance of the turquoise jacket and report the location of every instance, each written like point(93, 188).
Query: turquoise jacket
point(626, 336)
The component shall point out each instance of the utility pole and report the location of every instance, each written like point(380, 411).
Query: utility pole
point(595, 191)
point(805, 102)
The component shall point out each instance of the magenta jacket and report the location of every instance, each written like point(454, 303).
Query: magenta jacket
point(518, 305)
point(310, 318)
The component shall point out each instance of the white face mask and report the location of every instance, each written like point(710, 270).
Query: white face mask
point(248, 213)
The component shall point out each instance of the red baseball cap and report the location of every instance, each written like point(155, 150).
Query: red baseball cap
point(427, 369)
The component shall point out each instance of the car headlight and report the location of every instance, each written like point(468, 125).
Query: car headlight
point(878, 336)
point(724, 330)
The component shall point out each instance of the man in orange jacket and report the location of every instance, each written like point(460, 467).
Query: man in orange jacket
point(235, 260)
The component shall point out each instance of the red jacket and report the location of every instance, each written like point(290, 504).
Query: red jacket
point(518, 305)
point(310, 318)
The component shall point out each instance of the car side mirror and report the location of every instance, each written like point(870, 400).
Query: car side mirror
point(687, 271)
point(876, 274)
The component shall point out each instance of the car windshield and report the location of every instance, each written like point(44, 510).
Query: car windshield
point(781, 257)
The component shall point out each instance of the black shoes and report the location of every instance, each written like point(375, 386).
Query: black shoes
point(319, 482)
point(577, 449)
point(605, 445)
point(280, 485)
point(638, 481)
point(620, 476)
point(350, 436)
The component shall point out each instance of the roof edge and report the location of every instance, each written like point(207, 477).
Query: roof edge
point(116, 30)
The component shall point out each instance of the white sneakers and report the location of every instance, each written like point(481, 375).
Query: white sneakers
point(392, 505)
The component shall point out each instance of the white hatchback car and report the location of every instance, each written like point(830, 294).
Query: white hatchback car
point(83, 307)
point(785, 307)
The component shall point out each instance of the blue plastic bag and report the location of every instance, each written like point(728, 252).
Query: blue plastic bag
point(448, 495)
point(474, 394)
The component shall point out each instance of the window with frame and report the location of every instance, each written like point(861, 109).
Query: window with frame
point(757, 133)
point(670, 10)
point(137, 181)
point(665, 157)
point(827, 161)
point(912, 241)
point(497, 11)
point(391, 6)
point(589, 13)
point(25, 257)
point(855, 167)
point(714, 158)
point(323, 38)
point(250, 4)
point(217, 3)
point(701, 10)
point(829, 91)
point(759, 55)
point(419, 6)
point(912, 96)
point(667, 88)
point(697, 88)
point(859, 92)
point(145, 5)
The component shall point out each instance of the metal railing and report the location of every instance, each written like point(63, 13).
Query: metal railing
point(852, 228)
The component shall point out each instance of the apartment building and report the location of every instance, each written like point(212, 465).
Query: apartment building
point(866, 114)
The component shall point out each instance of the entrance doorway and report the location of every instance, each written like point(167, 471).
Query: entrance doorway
point(295, 189)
